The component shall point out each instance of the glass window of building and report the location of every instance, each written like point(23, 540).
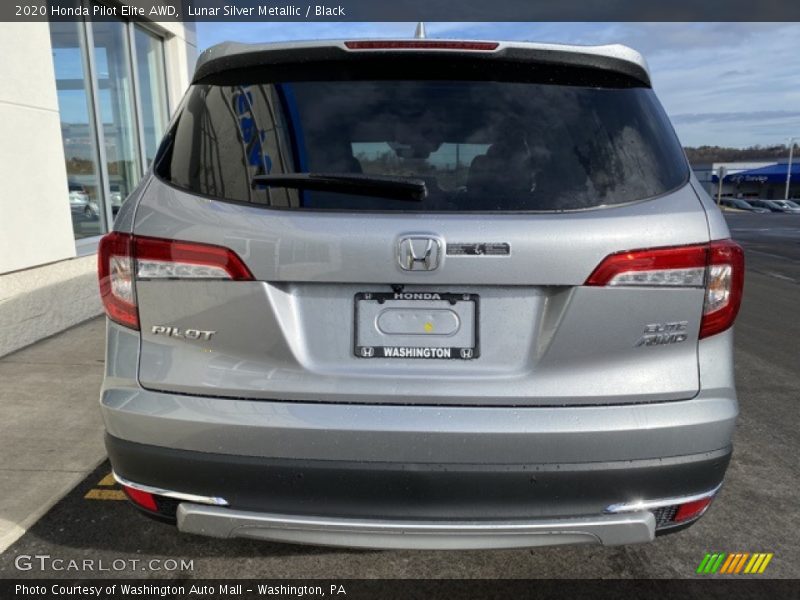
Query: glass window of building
point(115, 93)
point(77, 129)
point(152, 89)
point(112, 96)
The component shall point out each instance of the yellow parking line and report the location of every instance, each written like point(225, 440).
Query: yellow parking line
point(105, 495)
point(108, 481)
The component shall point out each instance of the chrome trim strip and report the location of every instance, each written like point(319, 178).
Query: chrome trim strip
point(213, 500)
point(650, 504)
point(609, 530)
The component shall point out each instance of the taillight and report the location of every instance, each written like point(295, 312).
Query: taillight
point(115, 273)
point(171, 259)
point(724, 287)
point(420, 45)
point(718, 267)
point(123, 259)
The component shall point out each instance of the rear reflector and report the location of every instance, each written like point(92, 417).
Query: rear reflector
point(692, 510)
point(420, 45)
point(670, 512)
point(718, 267)
point(123, 259)
point(143, 499)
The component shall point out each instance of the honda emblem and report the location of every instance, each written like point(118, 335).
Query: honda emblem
point(419, 253)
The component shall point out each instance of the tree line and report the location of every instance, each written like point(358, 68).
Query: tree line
point(711, 154)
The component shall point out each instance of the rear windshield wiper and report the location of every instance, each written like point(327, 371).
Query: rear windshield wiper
point(382, 186)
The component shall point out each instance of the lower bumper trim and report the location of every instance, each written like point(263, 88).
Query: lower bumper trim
point(608, 530)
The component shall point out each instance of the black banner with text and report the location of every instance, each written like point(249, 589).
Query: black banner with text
point(394, 589)
point(407, 10)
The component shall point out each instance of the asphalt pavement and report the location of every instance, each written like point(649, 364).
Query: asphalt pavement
point(757, 511)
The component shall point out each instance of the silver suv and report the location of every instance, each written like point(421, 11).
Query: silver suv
point(421, 294)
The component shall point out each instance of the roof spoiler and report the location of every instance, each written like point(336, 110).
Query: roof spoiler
point(232, 56)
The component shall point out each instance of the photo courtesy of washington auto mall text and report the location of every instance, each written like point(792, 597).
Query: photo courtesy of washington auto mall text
point(403, 299)
point(168, 590)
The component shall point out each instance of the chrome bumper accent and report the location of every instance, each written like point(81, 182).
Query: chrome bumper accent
point(608, 530)
point(213, 500)
point(639, 505)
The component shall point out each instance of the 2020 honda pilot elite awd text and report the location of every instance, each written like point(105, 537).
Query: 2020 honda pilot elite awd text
point(420, 294)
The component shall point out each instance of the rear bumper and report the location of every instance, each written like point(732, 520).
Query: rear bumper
point(413, 505)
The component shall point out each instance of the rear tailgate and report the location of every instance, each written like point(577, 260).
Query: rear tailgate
point(544, 337)
point(475, 295)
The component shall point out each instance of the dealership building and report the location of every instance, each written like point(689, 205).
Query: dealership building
point(764, 179)
point(83, 106)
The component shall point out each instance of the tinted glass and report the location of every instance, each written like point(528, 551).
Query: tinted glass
point(479, 145)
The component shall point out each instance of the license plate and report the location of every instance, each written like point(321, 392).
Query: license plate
point(416, 325)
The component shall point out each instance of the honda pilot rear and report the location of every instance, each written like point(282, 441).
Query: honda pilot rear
point(420, 294)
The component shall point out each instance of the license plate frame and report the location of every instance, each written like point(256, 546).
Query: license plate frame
point(418, 352)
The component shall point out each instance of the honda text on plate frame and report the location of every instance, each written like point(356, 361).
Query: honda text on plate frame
point(420, 294)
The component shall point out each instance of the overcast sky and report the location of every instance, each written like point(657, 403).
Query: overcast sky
point(727, 84)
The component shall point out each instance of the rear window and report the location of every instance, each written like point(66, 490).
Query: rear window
point(479, 145)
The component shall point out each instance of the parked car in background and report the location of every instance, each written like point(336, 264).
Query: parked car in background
point(421, 294)
point(771, 205)
point(787, 206)
point(116, 198)
point(740, 204)
point(80, 203)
